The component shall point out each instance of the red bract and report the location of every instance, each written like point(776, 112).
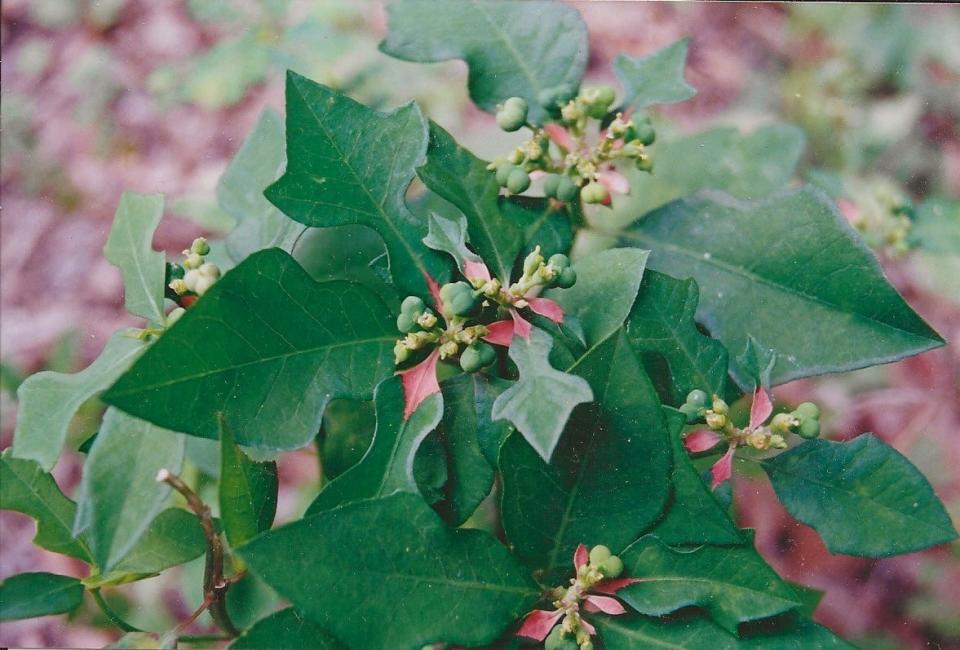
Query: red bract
point(419, 383)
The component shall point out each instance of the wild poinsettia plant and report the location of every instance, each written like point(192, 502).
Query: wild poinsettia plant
point(556, 344)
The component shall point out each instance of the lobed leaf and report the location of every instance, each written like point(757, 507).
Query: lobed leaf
point(173, 538)
point(280, 347)
point(48, 400)
point(29, 595)
point(656, 78)
point(418, 583)
point(349, 164)
point(791, 268)
point(512, 48)
point(822, 482)
point(129, 249)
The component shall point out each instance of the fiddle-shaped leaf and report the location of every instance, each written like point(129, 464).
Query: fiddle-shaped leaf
point(129, 249)
point(788, 267)
point(732, 583)
point(821, 482)
point(49, 400)
point(661, 326)
point(541, 401)
point(247, 492)
point(285, 345)
point(656, 78)
point(388, 464)
point(421, 581)
point(120, 493)
point(512, 48)
point(609, 477)
point(450, 236)
point(349, 164)
point(258, 163)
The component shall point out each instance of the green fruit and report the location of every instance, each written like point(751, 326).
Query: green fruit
point(567, 190)
point(593, 192)
point(503, 172)
point(645, 164)
point(612, 567)
point(518, 181)
point(516, 104)
point(412, 306)
point(559, 261)
point(550, 185)
point(406, 323)
point(644, 133)
point(599, 554)
point(809, 428)
point(807, 411)
point(566, 279)
point(458, 298)
point(552, 98)
point(513, 114)
point(697, 398)
point(477, 356)
point(606, 95)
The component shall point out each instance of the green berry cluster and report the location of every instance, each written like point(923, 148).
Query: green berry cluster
point(573, 171)
point(195, 276)
point(608, 564)
point(803, 421)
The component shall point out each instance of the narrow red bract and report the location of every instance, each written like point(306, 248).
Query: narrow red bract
point(419, 383)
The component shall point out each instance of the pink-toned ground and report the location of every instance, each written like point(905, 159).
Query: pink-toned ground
point(59, 194)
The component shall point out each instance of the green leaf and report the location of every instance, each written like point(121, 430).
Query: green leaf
point(120, 493)
point(821, 482)
point(661, 328)
point(450, 236)
point(733, 584)
point(512, 49)
point(247, 492)
point(387, 466)
point(173, 538)
point(48, 400)
point(656, 78)
point(937, 226)
point(694, 515)
point(748, 166)
point(545, 224)
point(349, 164)
point(540, 403)
point(29, 595)
point(471, 440)
point(692, 632)
point(257, 164)
point(607, 284)
point(129, 249)
point(608, 480)
point(27, 489)
point(420, 583)
point(790, 268)
point(285, 346)
point(456, 175)
point(284, 630)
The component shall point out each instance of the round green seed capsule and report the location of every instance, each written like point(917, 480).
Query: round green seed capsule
point(567, 190)
point(566, 279)
point(413, 306)
point(406, 323)
point(559, 261)
point(518, 181)
point(593, 192)
point(809, 428)
point(550, 185)
point(477, 356)
point(512, 117)
point(612, 567)
point(503, 173)
point(697, 398)
point(458, 298)
point(807, 410)
point(644, 133)
point(516, 104)
point(599, 554)
point(606, 95)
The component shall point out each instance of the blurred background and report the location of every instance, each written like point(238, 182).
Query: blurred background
point(101, 96)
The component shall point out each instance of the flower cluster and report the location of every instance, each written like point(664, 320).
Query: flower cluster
point(572, 162)
point(715, 413)
point(597, 573)
point(196, 275)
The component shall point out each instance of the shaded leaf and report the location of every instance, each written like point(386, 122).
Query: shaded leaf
point(349, 164)
point(27, 489)
point(511, 48)
point(120, 493)
point(821, 482)
point(388, 464)
point(284, 630)
point(28, 595)
point(791, 268)
point(285, 346)
point(129, 249)
point(540, 403)
point(656, 78)
point(608, 480)
point(173, 538)
point(247, 492)
point(421, 582)
point(49, 400)
point(733, 584)
point(661, 326)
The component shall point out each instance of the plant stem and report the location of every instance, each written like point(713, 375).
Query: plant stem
point(115, 618)
point(215, 587)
